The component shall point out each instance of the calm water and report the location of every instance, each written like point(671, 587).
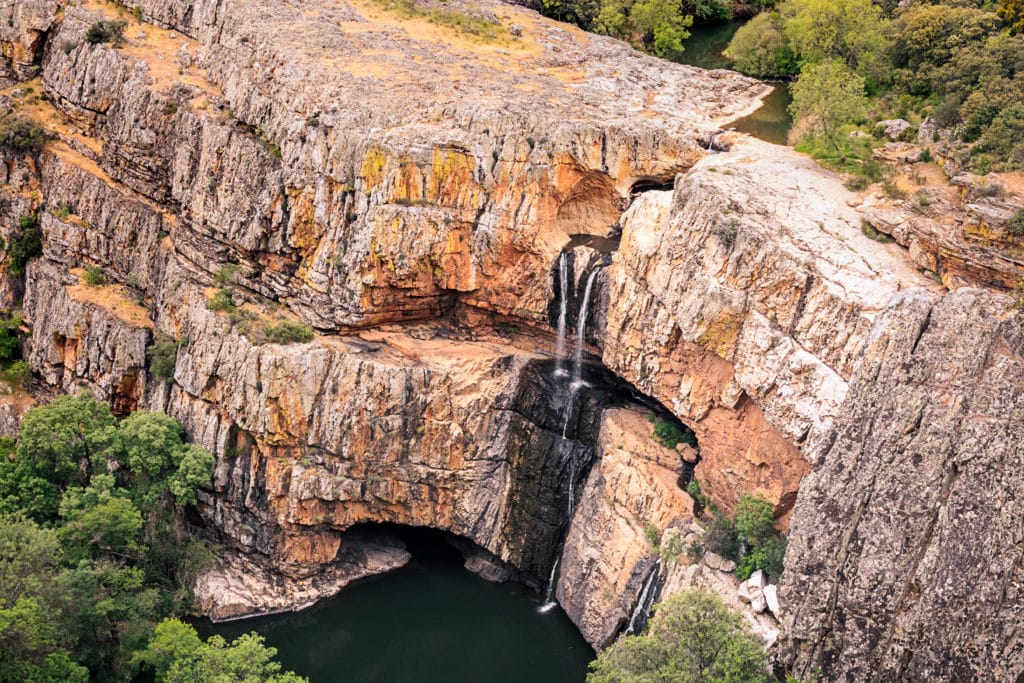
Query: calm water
point(704, 49)
point(431, 621)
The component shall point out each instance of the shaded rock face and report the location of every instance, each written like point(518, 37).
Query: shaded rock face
point(870, 568)
point(360, 192)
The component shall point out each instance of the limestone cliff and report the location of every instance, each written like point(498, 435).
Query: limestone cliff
point(407, 190)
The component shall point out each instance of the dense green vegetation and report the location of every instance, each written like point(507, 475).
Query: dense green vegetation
point(670, 433)
point(106, 32)
point(693, 637)
point(859, 61)
point(21, 134)
point(94, 551)
point(26, 244)
point(749, 538)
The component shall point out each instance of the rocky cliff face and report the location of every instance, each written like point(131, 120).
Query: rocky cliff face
point(407, 190)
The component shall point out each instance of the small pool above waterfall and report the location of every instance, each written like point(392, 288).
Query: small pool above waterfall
point(772, 121)
point(431, 621)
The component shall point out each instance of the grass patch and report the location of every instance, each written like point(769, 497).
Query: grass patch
point(473, 25)
point(670, 433)
point(871, 233)
point(288, 332)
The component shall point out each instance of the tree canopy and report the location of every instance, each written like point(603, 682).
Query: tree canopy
point(693, 638)
point(93, 553)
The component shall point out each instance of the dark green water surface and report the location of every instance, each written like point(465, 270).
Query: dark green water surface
point(429, 622)
point(704, 49)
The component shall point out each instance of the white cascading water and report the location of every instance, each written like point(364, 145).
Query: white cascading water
point(563, 283)
point(581, 329)
point(646, 601)
point(549, 593)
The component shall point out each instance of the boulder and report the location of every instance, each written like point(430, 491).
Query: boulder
point(894, 128)
point(757, 579)
point(716, 561)
point(771, 596)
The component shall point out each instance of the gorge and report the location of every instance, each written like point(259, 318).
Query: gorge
point(512, 256)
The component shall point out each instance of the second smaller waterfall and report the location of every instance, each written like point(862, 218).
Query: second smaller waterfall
point(581, 328)
point(563, 312)
point(549, 593)
point(648, 594)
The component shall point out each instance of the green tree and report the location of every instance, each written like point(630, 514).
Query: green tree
point(1012, 14)
point(655, 26)
point(195, 467)
point(758, 48)
point(163, 355)
point(851, 31)
point(925, 38)
point(27, 244)
point(755, 521)
point(827, 96)
point(177, 655)
point(62, 437)
point(22, 490)
point(100, 520)
point(692, 638)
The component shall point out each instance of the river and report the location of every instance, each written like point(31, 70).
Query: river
point(704, 49)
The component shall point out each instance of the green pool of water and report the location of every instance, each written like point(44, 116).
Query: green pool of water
point(704, 49)
point(431, 621)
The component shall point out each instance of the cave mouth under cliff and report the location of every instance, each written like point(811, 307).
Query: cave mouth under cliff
point(439, 548)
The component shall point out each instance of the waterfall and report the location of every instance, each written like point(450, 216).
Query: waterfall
point(711, 140)
point(581, 328)
point(549, 593)
point(563, 283)
point(648, 594)
point(572, 485)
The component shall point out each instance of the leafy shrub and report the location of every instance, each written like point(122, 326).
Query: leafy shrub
point(991, 190)
point(926, 155)
point(692, 637)
point(226, 274)
point(669, 433)
point(106, 32)
point(24, 246)
point(857, 182)
point(223, 300)
point(652, 534)
point(288, 332)
point(871, 233)
point(94, 276)
point(767, 557)
point(726, 231)
point(63, 210)
point(16, 372)
point(892, 190)
point(163, 355)
point(754, 519)
point(9, 336)
point(1015, 226)
point(721, 537)
point(21, 134)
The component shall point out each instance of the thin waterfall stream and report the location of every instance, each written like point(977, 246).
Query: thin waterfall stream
point(563, 311)
point(644, 604)
point(575, 384)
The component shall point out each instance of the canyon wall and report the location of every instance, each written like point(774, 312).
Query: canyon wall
point(407, 190)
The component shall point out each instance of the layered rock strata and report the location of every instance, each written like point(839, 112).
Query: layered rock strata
point(362, 171)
